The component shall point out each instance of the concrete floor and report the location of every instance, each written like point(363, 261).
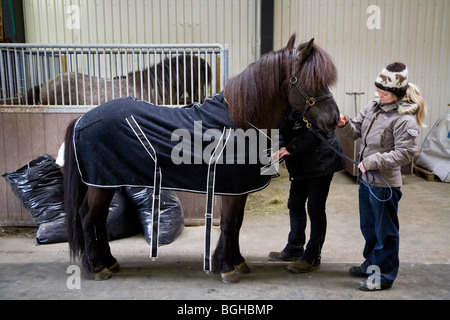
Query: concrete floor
point(40, 272)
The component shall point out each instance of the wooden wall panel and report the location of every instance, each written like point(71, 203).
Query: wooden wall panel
point(24, 137)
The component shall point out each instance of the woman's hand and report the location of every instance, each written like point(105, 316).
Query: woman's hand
point(361, 168)
point(343, 119)
point(280, 154)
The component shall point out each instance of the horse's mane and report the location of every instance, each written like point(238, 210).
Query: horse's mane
point(252, 94)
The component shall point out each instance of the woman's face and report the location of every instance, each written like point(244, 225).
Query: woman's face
point(386, 96)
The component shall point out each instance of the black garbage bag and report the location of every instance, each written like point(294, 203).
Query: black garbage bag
point(122, 221)
point(39, 186)
point(171, 218)
point(52, 232)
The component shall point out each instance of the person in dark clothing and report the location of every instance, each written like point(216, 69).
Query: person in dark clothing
point(311, 164)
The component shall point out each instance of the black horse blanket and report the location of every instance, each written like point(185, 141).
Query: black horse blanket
point(121, 143)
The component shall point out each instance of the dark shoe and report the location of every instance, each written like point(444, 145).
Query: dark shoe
point(357, 272)
point(364, 287)
point(282, 256)
point(301, 266)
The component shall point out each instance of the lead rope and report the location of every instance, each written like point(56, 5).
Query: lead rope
point(311, 101)
point(368, 183)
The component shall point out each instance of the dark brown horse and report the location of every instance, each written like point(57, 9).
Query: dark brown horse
point(260, 96)
point(181, 79)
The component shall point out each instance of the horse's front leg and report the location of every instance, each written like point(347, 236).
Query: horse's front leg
point(227, 258)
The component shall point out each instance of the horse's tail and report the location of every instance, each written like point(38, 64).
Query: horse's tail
point(74, 192)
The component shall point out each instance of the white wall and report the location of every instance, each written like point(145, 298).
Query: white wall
point(416, 32)
point(232, 22)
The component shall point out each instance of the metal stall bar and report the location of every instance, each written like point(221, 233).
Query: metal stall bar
point(70, 78)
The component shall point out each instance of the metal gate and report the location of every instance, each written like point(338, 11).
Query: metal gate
point(90, 75)
point(44, 87)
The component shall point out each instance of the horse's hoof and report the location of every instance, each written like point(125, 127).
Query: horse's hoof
point(115, 267)
point(242, 268)
point(229, 277)
point(103, 274)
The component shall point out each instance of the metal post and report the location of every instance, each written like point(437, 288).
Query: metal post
point(355, 94)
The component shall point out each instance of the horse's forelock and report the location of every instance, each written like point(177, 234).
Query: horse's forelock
point(318, 70)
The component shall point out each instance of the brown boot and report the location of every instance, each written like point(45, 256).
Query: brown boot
point(301, 266)
point(282, 256)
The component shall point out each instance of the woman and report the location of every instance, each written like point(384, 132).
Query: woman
point(311, 164)
point(388, 127)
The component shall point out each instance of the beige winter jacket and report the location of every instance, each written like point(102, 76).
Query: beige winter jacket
point(389, 135)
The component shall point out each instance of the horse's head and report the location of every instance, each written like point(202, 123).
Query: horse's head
point(312, 71)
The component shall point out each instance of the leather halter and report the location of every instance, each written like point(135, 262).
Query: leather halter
point(310, 101)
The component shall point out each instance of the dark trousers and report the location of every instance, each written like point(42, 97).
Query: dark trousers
point(310, 194)
point(380, 228)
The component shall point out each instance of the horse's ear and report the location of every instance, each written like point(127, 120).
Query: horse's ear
point(291, 41)
point(306, 52)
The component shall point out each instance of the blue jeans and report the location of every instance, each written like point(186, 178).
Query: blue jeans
point(380, 228)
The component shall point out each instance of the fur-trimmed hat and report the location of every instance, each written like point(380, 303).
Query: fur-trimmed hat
point(393, 78)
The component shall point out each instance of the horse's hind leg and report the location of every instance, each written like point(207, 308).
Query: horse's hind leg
point(227, 259)
point(94, 209)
